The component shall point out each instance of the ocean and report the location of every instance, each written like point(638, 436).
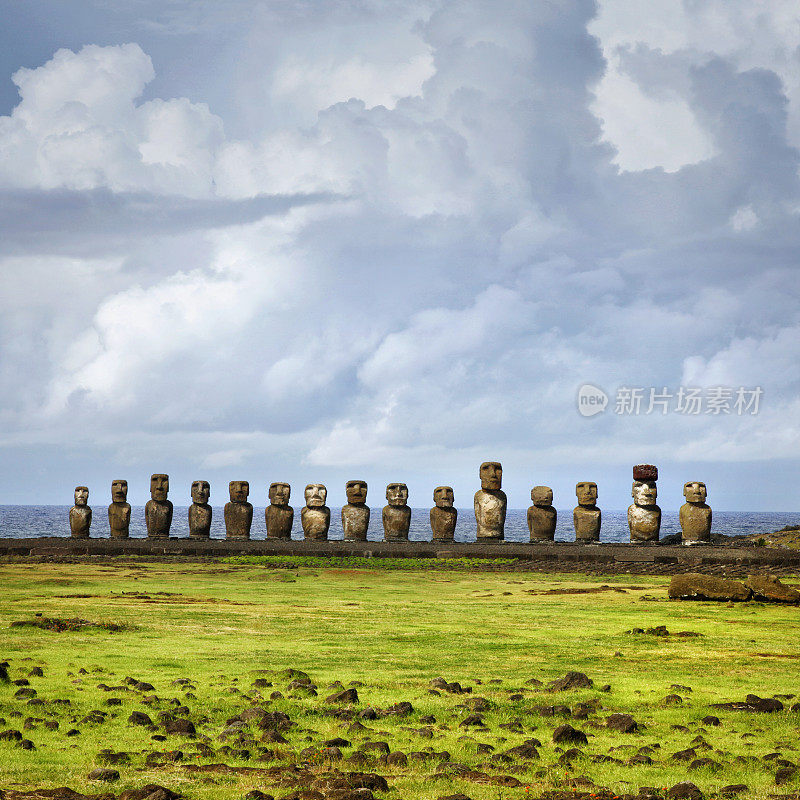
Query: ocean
point(19, 522)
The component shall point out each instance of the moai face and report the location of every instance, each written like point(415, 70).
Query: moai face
point(491, 473)
point(397, 494)
point(279, 493)
point(316, 495)
point(81, 495)
point(644, 493)
point(694, 492)
point(542, 496)
point(443, 496)
point(356, 492)
point(201, 491)
point(239, 491)
point(119, 491)
point(586, 492)
point(159, 487)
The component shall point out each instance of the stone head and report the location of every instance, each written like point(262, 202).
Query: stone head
point(694, 492)
point(119, 491)
point(356, 492)
point(542, 496)
point(443, 496)
point(201, 491)
point(491, 473)
point(586, 492)
point(239, 491)
point(81, 495)
point(644, 493)
point(316, 495)
point(279, 493)
point(159, 486)
point(397, 494)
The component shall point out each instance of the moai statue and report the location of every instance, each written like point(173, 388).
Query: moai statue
point(396, 515)
point(119, 512)
point(279, 514)
point(490, 503)
point(542, 515)
point(238, 513)
point(443, 515)
point(200, 511)
point(80, 515)
point(355, 515)
point(158, 511)
point(644, 516)
point(695, 515)
point(315, 516)
point(586, 516)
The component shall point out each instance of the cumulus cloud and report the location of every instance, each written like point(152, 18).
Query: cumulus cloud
point(407, 244)
point(79, 126)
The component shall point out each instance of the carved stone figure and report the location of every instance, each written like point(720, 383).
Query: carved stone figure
point(238, 512)
point(644, 516)
point(586, 516)
point(542, 515)
point(158, 511)
point(695, 515)
point(200, 511)
point(490, 503)
point(355, 515)
point(279, 514)
point(315, 516)
point(80, 515)
point(396, 515)
point(119, 512)
point(443, 515)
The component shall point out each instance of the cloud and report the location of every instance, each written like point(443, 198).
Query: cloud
point(407, 246)
point(78, 126)
point(59, 220)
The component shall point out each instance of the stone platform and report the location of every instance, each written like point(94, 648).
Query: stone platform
point(725, 559)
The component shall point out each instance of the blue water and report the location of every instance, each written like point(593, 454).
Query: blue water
point(20, 522)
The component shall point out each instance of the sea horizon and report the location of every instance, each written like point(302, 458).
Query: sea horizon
point(33, 521)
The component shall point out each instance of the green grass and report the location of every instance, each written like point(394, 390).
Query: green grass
point(394, 630)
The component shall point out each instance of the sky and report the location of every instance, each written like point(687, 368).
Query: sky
point(315, 241)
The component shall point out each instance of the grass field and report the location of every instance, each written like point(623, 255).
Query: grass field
point(226, 625)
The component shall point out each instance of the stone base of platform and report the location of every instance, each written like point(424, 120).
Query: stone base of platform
point(730, 559)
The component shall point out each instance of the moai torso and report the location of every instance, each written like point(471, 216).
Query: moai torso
point(238, 512)
point(695, 515)
point(200, 511)
point(443, 515)
point(158, 511)
point(355, 515)
point(490, 503)
point(119, 512)
point(541, 515)
point(396, 515)
point(586, 516)
point(644, 516)
point(315, 516)
point(279, 514)
point(80, 515)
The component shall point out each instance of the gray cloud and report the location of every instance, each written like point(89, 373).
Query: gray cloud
point(402, 281)
point(76, 222)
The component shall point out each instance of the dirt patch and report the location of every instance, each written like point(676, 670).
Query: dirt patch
point(776, 655)
point(62, 625)
point(591, 590)
point(156, 597)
